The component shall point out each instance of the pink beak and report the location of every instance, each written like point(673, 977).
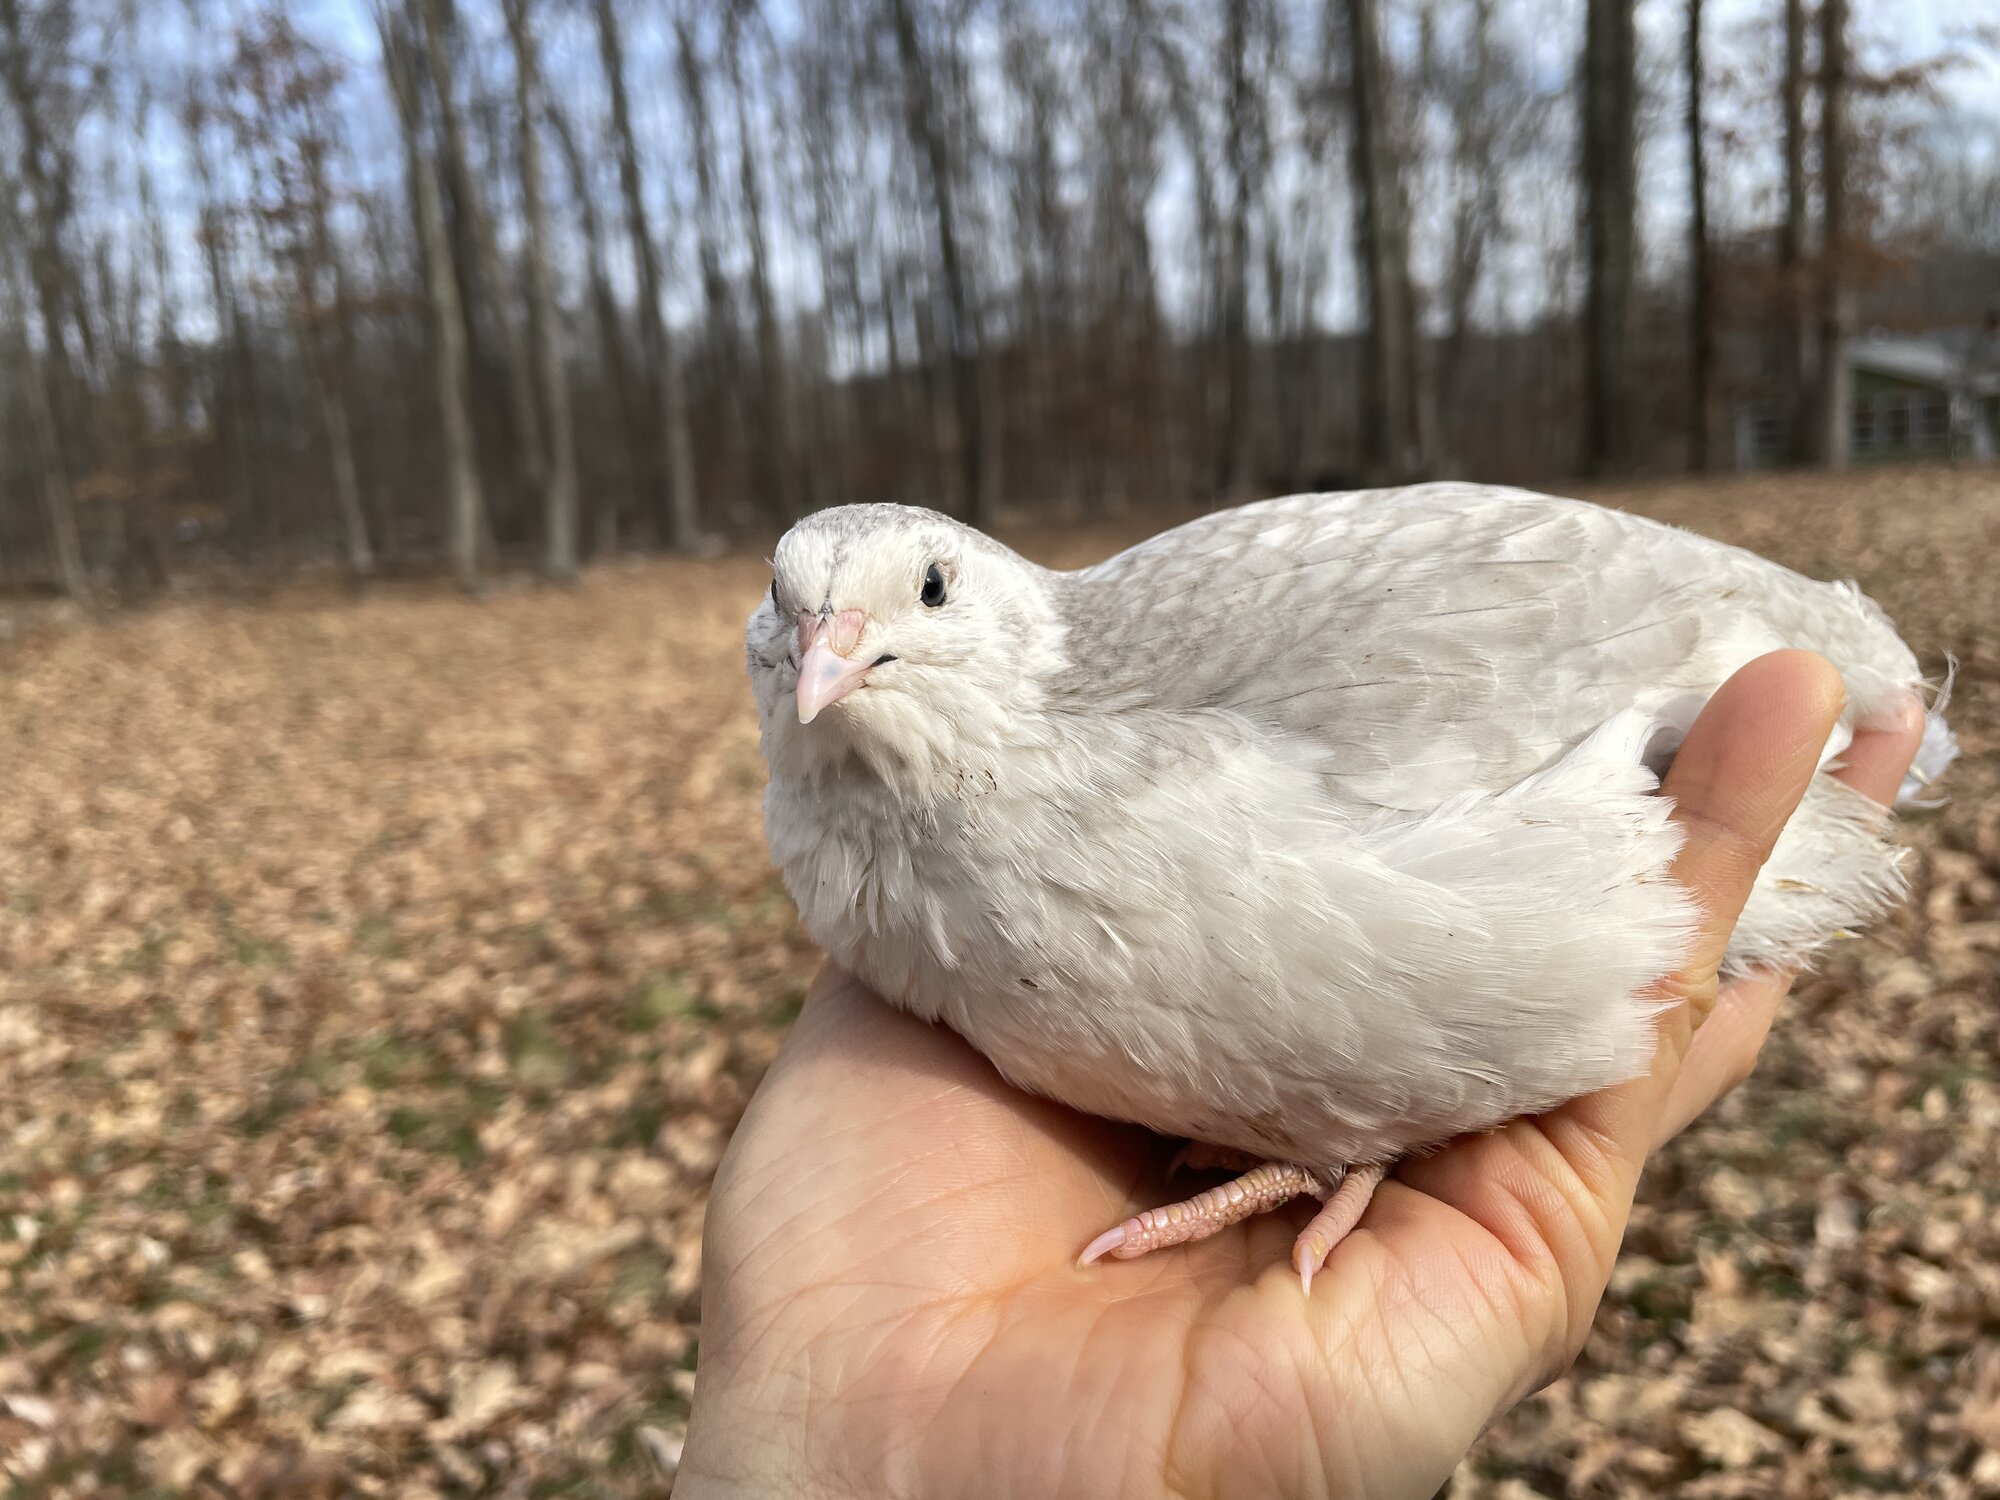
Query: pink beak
point(828, 669)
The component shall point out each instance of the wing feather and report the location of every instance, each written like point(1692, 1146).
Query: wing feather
point(1447, 636)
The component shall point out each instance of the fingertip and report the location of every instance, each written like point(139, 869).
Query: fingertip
point(1883, 751)
point(1908, 720)
point(1814, 684)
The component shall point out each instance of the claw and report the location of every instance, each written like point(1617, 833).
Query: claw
point(1100, 1247)
point(1307, 1257)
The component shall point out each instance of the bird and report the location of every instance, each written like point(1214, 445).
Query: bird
point(1315, 832)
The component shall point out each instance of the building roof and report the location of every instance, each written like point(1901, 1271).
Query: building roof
point(1922, 361)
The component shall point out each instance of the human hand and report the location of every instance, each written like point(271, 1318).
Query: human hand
point(892, 1305)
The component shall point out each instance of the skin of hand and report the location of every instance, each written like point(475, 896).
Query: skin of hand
point(891, 1302)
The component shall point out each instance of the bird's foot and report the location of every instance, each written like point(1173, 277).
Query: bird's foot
point(1339, 1213)
point(1266, 1186)
point(1262, 1188)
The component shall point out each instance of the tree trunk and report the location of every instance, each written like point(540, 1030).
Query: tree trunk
point(720, 348)
point(1795, 352)
point(488, 270)
point(346, 481)
point(316, 261)
point(926, 130)
point(1388, 384)
point(1610, 130)
point(771, 369)
point(53, 489)
point(1188, 471)
point(1836, 305)
point(610, 332)
point(1701, 298)
point(680, 512)
point(836, 428)
point(1477, 213)
point(52, 389)
point(559, 495)
point(1239, 435)
point(465, 507)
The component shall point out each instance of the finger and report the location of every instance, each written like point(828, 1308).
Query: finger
point(1881, 755)
point(1725, 1049)
point(1735, 783)
point(1736, 779)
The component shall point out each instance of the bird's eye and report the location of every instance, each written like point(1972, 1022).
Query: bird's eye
point(933, 594)
point(774, 597)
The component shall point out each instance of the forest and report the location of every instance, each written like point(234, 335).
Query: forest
point(469, 285)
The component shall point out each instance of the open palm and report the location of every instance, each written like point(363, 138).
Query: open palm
point(892, 1305)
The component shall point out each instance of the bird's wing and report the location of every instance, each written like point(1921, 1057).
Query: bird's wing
point(1440, 638)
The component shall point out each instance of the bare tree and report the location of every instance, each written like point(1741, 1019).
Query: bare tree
point(923, 237)
point(926, 127)
point(718, 366)
point(741, 22)
point(281, 121)
point(1242, 153)
point(1122, 187)
point(1610, 141)
point(438, 29)
point(559, 495)
point(1795, 350)
point(51, 382)
point(1389, 432)
point(611, 346)
point(465, 502)
point(57, 501)
point(1476, 189)
point(681, 514)
point(1701, 298)
point(1836, 305)
point(235, 416)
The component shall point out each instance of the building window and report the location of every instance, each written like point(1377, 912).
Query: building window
point(1934, 423)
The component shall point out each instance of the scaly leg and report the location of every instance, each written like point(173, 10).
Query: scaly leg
point(1257, 1191)
point(1264, 1187)
point(1341, 1212)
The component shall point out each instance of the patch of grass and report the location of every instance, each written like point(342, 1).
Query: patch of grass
point(390, 1061)
point(537, 1055)
point(85, 1344)
point(1779, 1282)
point(640, 1276)
point(1847, 1471)
point(255, 953)
point(1806, 1117)
point(277, 1106)
point(1659, 1300)
point(1951, 1074)
point(663, 998)
point(665, 1409)
point(639, 1126)
point(150, 957)
point(376, 937)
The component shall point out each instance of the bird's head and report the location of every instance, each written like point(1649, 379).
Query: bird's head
point(900, 635)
